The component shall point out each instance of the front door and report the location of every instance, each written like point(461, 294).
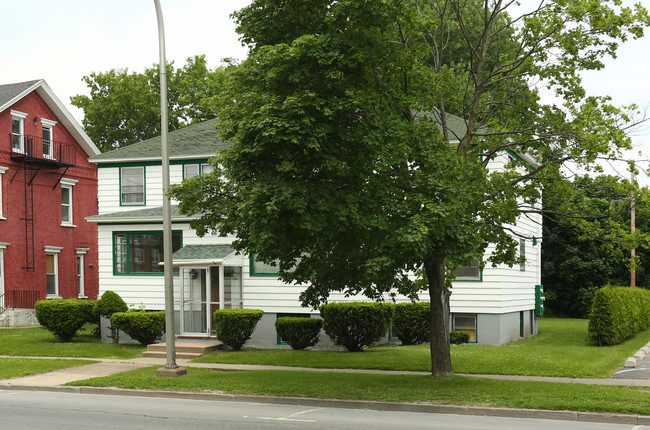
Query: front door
point(194, 290)
point(200, 298)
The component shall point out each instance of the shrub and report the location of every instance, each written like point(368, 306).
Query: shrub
point(235, 326)
point(62, 317)
point(145, 327)
point(109, 303)
point(458, 337)
point(617, 313)
point(412, 322)
point(299, 332)
point(356, 325)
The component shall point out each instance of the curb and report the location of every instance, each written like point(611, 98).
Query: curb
point(638, 356)
point(355, 404)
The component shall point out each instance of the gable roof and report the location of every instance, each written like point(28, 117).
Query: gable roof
point(11, 93)
point(194, 141)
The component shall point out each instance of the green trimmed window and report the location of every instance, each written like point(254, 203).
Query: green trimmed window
point(465, 323)
point(259, 268)
point(132, 186)
point(141, 252)
point(192, 170)
point(472, 272)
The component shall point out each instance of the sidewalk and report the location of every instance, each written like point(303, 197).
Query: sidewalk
point(55, 380)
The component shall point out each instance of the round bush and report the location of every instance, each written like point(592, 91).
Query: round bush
point(299, 332)
point(109, 303)
point(412, 322)
point(62, 317)
point(145, 327)
point(235, 326)
point(356, 325)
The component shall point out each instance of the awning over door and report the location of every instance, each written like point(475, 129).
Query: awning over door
point(200, 255)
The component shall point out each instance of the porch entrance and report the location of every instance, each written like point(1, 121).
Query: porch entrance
point(203, 291)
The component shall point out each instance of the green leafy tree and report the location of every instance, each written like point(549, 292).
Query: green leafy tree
point(577, 261)
point(124, 107)
point(343, 166)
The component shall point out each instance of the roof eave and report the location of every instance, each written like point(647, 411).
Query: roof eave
point(98, 219)
point(149, 159)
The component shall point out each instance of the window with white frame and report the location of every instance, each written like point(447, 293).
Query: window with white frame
point(48, 137)
point(18, 131)
point(132, 185)
point(81, 287)
point(522, 254)
point(2, 171)
point(66, 202)
point(52, 269)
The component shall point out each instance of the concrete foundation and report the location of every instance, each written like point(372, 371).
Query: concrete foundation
point(18, 318)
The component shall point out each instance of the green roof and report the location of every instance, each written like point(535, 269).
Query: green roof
point(203, 252)
point(138, 215)
point(191, 141)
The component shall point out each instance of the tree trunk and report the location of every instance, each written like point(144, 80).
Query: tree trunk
point(439, 316)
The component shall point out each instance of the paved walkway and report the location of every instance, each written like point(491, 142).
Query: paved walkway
point(107, 366)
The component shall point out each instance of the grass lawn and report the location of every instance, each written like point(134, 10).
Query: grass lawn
point(14, 367)
point(38, 342)
point(454, 390)
point(561, 349)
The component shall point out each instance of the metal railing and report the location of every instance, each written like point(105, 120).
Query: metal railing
point(36, 148)
point(22, 299)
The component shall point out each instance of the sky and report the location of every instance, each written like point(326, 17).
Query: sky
point(65, 40)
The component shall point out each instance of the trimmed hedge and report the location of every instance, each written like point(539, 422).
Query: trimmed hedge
point(356, 325)
point(458, 337)
point(145, 327)
point(235, 326)
point(109, 303)
point(412, 322)
point(64, 317)
point(618, 313)
point(299, 332)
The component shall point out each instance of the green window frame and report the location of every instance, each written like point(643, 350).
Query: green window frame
point(132, 256)
point(471, 273)
point(258, 268)
point(191, 170)
point(129, 184)
point(463, 322)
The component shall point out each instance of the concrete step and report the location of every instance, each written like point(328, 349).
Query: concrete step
point(187, 350)
point(163, 354)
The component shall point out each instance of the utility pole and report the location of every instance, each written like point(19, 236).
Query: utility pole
point(170, 369)
point(632, 229)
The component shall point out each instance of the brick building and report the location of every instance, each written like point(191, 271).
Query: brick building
point(47, 188)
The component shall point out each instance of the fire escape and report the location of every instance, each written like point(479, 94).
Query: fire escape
point(37, 155)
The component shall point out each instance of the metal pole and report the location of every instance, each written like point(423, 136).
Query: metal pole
point(170, 369)
point(632, 229)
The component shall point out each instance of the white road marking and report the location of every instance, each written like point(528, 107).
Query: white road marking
point(289, 417)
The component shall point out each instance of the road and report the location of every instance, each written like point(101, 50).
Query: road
point(53, 411)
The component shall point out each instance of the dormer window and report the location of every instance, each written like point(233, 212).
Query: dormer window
point(48, 137)
point(18, 131)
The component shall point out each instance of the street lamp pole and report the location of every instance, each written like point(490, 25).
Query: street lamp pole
point(170, 369)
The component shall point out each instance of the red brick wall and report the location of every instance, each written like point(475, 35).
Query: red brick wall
point(47, 210)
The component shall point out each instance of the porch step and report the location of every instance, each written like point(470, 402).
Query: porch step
point(186, 350)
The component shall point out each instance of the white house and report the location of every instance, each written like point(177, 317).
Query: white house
point(495, 305)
